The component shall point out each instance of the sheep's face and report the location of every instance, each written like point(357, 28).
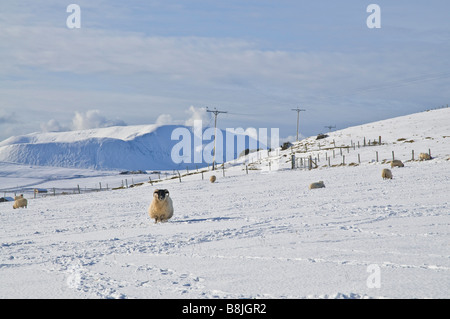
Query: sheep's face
point(161, 194)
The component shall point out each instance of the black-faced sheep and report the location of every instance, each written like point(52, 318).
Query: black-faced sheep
point(424, 157)
point(386, 173)
point(397, 163)
point(161, 207)
point(20, 202)
point(317, 185)
point(212, 179)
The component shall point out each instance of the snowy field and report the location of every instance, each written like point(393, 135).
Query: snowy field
point(258, 235)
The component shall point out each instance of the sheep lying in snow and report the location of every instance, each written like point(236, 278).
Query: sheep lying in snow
point(20, 202)
point(316, 185)
point(386, 173)
point(424, 156)
point(397, 163)
point(212, 179)
point(161, 207)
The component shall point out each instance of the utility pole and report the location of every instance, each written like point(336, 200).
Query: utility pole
point(215, 112)
point(298, 115)
point(330, 127)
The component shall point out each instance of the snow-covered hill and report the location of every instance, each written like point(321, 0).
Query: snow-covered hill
point(259, 233)
point(140, 147)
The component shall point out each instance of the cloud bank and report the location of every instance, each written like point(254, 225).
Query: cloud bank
point(82, 121)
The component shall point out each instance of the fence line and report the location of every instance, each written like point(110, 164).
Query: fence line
point(310, 161)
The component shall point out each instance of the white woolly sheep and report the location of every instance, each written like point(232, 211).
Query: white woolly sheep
point(386, 173)
point(20, 202)
point(424, 156)
point(317, 185)
point(397, 163)
point(161, 207)
point(212, 179)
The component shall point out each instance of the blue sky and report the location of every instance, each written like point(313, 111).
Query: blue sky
point(139, 62)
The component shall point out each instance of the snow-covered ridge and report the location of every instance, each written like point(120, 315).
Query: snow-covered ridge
point(139, 147)
point(124, 133)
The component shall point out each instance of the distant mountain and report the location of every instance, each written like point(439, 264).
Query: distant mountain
point(139, 147)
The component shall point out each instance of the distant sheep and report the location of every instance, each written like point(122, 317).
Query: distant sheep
point(397, 163)
point(424, 156)
point(317, 185)
point(20, 202)
point(386, 173)
point(161, 207)
point(212, 179)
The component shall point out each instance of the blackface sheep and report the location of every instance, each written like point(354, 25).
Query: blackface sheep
point(20, 202)
point(397, 163)
point(161, 207)
point(317, 185)
point(386, 173)
point(424, 156)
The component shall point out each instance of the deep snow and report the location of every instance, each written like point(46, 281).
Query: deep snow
point(258, 235)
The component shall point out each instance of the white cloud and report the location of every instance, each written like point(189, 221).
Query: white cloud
point(92, 119)
point(81, 121)
point(197, 114)
point(53, 126)
point(164, 119)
